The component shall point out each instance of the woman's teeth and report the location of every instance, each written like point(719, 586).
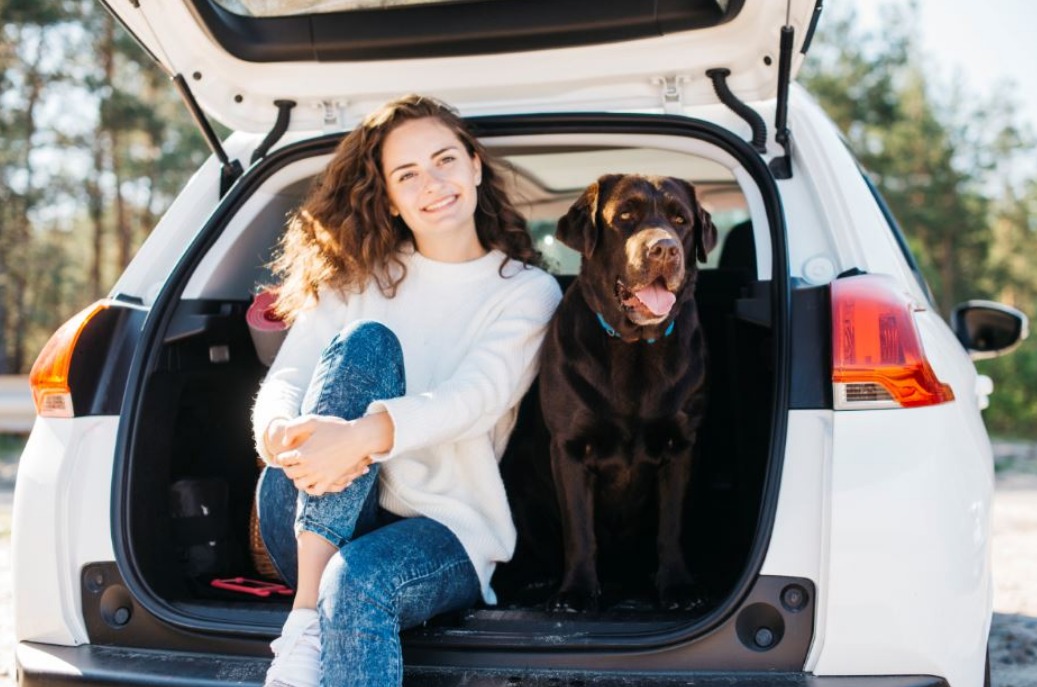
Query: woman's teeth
point(439, 204)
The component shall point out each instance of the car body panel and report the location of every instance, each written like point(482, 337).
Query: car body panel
point(852, 222)
point(241, 94)
point(909, 584)
point(61, 522)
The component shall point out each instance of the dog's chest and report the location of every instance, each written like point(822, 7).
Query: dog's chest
point(643, 380)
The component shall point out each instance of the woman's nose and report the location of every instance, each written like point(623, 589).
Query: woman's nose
point(433, 180)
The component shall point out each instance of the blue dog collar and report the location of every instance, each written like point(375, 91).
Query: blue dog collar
point(614, 334)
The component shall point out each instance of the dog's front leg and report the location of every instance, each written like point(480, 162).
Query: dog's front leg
point(580, 589)
point(673, 582)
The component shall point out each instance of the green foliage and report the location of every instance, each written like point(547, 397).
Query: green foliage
point(1013, 409)
point(89, 125)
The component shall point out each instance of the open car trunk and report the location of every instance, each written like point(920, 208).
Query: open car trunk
point(188, 468)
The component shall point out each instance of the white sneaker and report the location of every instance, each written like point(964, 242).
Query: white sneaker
point(296, 652)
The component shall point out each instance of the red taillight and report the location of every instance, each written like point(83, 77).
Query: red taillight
point(49, 375)
point(877, 357)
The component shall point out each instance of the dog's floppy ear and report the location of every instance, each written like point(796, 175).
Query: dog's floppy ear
point(578, 229)
point(705, 230)
point(705, 233)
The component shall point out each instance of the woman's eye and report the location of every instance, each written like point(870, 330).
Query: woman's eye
point(405, 176)
point(446, 159)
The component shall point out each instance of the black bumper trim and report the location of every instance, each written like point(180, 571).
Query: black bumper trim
point(42, 665)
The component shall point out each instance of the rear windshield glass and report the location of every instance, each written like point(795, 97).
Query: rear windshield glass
point(284, 8)
point(356, 30)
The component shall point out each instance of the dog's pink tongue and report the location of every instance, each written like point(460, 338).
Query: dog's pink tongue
point(656, 298)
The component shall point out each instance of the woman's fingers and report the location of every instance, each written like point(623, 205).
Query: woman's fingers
point(314, 481)
point(294, 432)
point(294, 470)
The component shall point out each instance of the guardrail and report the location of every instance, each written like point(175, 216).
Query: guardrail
point(17, 412)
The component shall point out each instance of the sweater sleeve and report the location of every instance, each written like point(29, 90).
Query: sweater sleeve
point(496, 372)
point(284, 387)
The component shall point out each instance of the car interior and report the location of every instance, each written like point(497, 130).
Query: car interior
point(193, 467)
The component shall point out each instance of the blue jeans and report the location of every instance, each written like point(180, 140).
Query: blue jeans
point(390, 573)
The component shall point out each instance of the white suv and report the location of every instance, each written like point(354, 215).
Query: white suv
point(839, 524)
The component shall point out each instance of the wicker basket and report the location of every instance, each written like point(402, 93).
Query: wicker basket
point(260, 556)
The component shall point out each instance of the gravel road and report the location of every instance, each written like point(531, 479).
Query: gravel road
point(1013, 638)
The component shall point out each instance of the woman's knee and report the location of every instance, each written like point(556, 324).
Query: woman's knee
point(364, 362)
point(368, 339)
point(369, 350)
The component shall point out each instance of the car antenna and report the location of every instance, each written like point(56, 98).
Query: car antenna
point(230, 170)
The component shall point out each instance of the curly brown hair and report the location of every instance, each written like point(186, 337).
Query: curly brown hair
point(343, 234)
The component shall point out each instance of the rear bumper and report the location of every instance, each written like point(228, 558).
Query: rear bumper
point(45, 665)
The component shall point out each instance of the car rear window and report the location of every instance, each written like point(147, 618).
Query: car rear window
point(357, 30)
point(285, 8)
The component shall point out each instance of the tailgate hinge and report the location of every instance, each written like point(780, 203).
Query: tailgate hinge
point(334, 115)
point(230, 170)
point(672, 88)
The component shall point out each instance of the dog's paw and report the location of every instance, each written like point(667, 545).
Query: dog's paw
point(681, 597)
point(574, 601)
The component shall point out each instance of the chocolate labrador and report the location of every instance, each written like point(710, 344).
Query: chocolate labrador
point(623, 381)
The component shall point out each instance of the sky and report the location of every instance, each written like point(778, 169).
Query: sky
point(982, 42)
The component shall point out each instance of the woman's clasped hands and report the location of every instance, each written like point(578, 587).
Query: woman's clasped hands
point(324, 454)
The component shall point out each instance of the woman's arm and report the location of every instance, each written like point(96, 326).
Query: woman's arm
point(321, 453)
point(491, 379)
point(282, 391)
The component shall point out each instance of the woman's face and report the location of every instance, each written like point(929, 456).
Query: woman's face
point(432, 183)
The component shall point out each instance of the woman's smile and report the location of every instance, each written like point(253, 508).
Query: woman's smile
point(433, 184)
point(440, 204)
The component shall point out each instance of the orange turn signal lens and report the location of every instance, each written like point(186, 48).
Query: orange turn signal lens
point(877, 356)
point(49, 375)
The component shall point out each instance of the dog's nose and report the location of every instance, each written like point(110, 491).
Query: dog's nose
point(663, 249)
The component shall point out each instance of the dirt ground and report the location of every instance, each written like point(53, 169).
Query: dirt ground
point(1013, 638)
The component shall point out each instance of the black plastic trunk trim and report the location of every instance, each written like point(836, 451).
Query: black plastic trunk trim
point(45, 665)
point(453, 29)
point(572, 123)
point(101, 359)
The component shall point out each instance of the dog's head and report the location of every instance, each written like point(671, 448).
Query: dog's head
point(639, 237)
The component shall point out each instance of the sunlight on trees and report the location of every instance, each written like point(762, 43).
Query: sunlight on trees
point(96, 144)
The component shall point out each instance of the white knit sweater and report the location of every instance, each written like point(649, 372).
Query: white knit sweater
point(471, 342)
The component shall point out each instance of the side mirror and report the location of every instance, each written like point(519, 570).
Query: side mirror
point(987, 329)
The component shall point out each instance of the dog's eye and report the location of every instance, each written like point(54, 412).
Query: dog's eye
point(670, 444)
point(679, 219)
point(626, 216)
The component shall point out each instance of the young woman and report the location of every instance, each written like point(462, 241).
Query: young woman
point(417, 317)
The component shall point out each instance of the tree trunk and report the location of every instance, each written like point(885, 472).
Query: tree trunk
point(948, 274)
point(95, 201)
point(4, 362)
point(19, 267)
point(104, 155)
